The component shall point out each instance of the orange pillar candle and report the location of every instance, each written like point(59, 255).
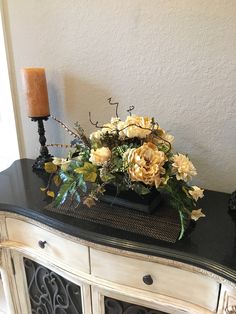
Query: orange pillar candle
point(36, 93)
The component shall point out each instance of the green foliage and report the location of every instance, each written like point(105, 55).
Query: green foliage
point(73, 184)
point(89, 172)
point(140, 188)
point(50, 167)
point(110, 139)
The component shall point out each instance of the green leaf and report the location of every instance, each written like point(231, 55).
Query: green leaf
point(107, 177)
point(141, 189)
point(77, 197)
point(89, 172)
point(57, 180)
point(62, 194)
point(50, 167)
point(181, 216)
point(65, 177)
point(82, 185)
point(75, 164)
point(50, 193)
point(72, 188)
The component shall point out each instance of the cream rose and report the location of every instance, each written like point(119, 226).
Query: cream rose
point(167, 137)
point(145, 164)
point(61, 162)
point(183, 168)
point(121, 127)
point(196, 193)
point(163, 137)
point(95, 136)
point(136, 126)
point(111, 127)
point(99, 156)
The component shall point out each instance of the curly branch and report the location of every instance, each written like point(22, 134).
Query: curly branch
point(114, 104)
point(131, 108)
point(94, 123)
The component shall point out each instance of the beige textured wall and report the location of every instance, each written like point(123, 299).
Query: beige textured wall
point(172, 59)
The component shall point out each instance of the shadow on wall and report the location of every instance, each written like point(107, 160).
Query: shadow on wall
point(53, 132)
point(81, 97)
point(207, 159)
point(74, 103)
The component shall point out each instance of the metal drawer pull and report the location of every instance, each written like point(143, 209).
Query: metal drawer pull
point(147, 279)
point(42, 244)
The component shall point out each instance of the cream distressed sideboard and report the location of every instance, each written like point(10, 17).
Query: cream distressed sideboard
point(52, 263)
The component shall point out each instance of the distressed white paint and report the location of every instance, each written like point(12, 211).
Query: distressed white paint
point(173, 59)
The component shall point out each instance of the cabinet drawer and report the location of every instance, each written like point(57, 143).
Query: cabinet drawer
point(167, 280)
point(56, 247)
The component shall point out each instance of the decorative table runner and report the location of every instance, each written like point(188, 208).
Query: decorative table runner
point(163, 225)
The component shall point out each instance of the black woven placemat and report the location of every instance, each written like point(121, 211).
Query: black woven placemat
point(163, 225)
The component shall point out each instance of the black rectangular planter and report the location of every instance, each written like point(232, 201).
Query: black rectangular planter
point(129, 199)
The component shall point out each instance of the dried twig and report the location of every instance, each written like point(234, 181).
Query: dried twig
point(131, 108)
point(114, 104)
point(59, 145)
point(94, 123)
point(75, 135)
point(65, 127)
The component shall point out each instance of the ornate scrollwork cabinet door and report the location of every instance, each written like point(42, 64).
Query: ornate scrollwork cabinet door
point(49, 292)
point(120, 307)
point(231, 310)
point(44, 288)
point(128, 301)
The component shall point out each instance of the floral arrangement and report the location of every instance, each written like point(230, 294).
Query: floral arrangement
point(134, 154)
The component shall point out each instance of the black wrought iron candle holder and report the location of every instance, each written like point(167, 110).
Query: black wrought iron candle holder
point(44, 154)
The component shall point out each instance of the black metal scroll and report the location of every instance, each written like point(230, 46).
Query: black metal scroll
point(50, 293)
point(232, 310)
point(113, 306)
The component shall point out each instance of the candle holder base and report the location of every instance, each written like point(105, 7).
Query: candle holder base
point(44, 154)
point(40, 161)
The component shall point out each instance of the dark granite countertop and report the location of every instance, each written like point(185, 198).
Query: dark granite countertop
point(211, 246)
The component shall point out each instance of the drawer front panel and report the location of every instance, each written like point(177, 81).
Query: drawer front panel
point(59, 248)
point(167, 280)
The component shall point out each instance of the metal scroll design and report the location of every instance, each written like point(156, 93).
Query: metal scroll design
point(113, 306)
point(50, 293)
point(231, 310)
